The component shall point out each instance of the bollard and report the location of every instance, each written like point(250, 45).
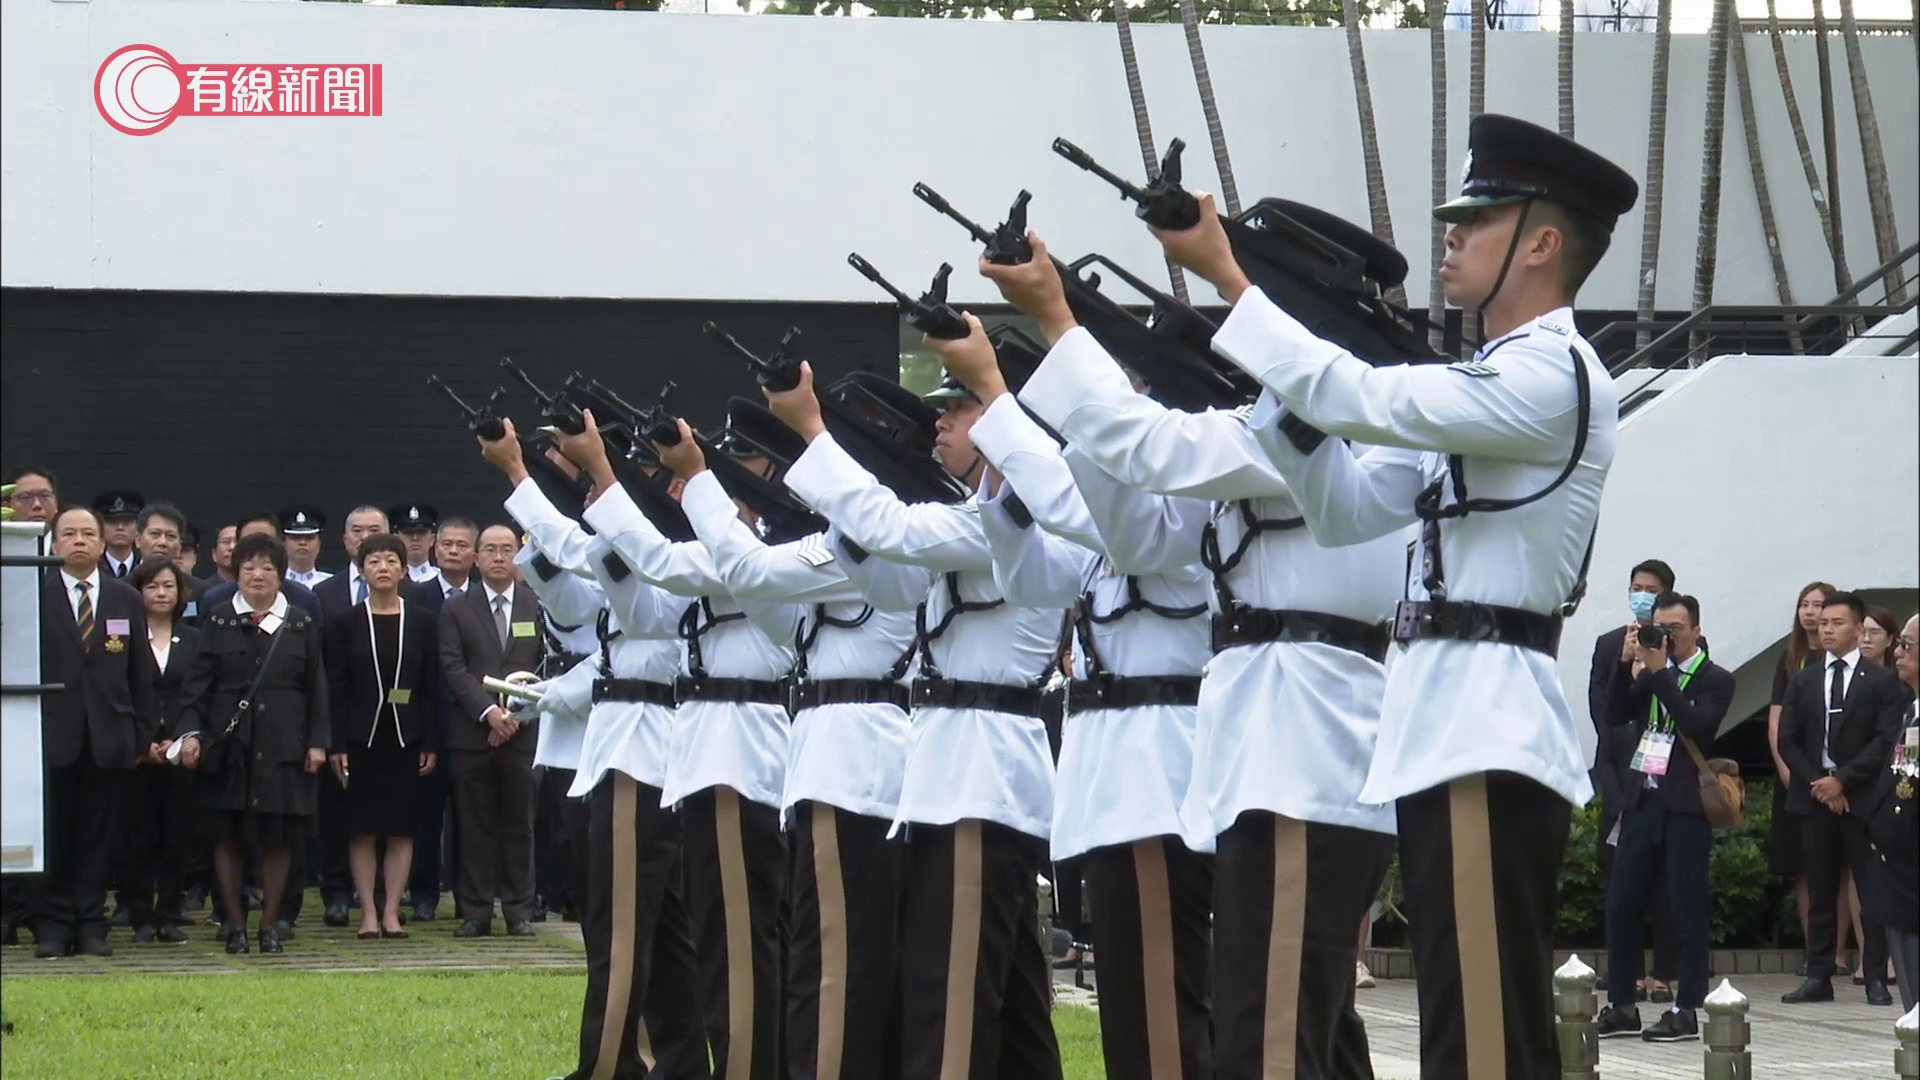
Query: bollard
point(1906, 1057)
point(1726, 1034)
point(1574, 1007)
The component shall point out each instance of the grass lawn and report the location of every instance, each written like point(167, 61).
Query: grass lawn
point(390, 1026)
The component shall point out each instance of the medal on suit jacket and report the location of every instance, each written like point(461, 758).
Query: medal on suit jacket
point(119, 645)
point(1906, 762)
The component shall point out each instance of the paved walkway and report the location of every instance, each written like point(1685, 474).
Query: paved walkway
point(1839, 1041)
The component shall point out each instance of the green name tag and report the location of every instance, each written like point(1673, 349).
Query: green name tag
point(399, 696)
point(524, 629)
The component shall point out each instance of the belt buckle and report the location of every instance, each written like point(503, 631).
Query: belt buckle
point(1408, 618)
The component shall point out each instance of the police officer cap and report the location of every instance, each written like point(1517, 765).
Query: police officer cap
point(1510, 161)
point(189, 537)
point(413, 516)
point(302, 520)
point(1019, 357)
point(112, 505)
point(753, 431)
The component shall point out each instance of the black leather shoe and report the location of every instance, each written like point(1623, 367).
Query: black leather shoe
point(170, 934)
point(237, 941)
point(474, 928)
point(145, 935)
point(1617, 1021)
point(519, 928)
point(426, 911)
point(49, 949)
point(336, 914)
point(1674, 1025)
point(283, 930)
point(1814, 989)
point(270, 941)
point(95, 946)
point(1877, 993)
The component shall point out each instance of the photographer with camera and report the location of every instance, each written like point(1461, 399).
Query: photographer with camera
point(1674, 697)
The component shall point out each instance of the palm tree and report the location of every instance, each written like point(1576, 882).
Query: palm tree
point(1190, 20)
point(1477, 61)
point(1437, 229)
point(1769, 228)
point(1829, 137)
point(1380, 215)
point(1707, 243)
point(1827, 231)
point(1142, 126)
point(1567, 17)
point(1886, 233)
point(1656, 171)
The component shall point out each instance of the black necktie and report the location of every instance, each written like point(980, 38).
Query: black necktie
point(1836, 697)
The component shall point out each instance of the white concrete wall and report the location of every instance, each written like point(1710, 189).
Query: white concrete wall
point(573, 153)
point(1752, 477)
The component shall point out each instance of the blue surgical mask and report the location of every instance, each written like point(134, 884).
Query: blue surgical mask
point(1642, 605)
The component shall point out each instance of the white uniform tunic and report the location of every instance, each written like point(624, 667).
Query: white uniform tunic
point(961, 763)
point(1285, 727)
point(852, 755)
point(1452, 708)
point(569, 598)
point(1123, 773)
point(741, 745)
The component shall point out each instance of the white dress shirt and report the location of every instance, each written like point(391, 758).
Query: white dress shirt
point(313, 577)
point(121, 567)
point(426, 571)
point(276, 613)
point(73, 591)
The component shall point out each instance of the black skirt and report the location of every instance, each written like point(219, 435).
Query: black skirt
point(383, 792)
point(1786, 843)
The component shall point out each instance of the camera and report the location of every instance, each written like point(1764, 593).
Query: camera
point(1652, 636)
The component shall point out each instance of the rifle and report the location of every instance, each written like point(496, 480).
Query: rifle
point(483, 421)
point(631, 432)
point(779, 373)
point(558, 411)
point(1324, 271)
point(931, 314)
point(1007, 243)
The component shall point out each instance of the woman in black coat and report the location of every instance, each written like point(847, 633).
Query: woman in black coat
point(383, 658)
point(257, 763)
point(162, 832)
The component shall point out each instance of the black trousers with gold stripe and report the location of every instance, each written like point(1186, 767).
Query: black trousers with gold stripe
point(1480, 857)
point(736, 868)
point(1151, 901)
point(973, 971)
point(842, 955)
point(642, 992)
point(1287, 899)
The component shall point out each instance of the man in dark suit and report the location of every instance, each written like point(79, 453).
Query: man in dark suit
point(1671, 695)
point(453, 546)
point(493, 629)
point(1837, 727)
point(93, 642)
point(1891, 895)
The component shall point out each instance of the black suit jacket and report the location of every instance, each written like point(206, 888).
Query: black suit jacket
point(108, 704)
point(470, 648)
point(186, 646)
point(106, 565)
point(1697, 710)
point(355, 695)
point(1861, 740)
point(1613, 749)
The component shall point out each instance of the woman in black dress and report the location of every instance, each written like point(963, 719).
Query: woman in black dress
point(163, 828)
point(384, 660)
point(1786, 852)
point(255, 703)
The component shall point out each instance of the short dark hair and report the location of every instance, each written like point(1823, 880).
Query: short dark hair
point(1852, 602)
point(1671, 599)
point(1583, 242)
point(14, 475)
point(389, 542)
point(1658, 569)
point(164, 510)
point(458, 522)
point(252, 547)
point(245, 520)
point(98, 521)
point(153, 568)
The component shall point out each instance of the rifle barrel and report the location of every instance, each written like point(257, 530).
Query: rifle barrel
point(1079, 157)
point(932, 198)
point(867, 271)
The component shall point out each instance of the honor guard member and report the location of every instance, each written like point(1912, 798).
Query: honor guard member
point(120, 510)
point(1288, 709)
point(641, 1007)
point(1126, 756)
point(726, 770)
point(300, 526)
point(1501, 461)
point(848, 756)
point(977, 800)
point(416, 522)
point(1890, 892)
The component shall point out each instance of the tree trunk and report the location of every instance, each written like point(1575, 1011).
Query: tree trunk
point(1476, 104)
point(1380, 214)
point(1706, 252)
point(1190, 20)
point(1807, 164)
point(1567, 18)
point(1142, 125)
point(1656, 172)
point(1886, 232)
point(1757, 166)
point(1829, 140)
point(1442, 175)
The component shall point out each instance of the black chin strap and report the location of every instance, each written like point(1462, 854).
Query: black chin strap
point(1519, 227)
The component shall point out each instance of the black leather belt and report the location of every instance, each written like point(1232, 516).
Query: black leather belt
point(993, 697)
point(640, 691)
point(1133, 691)
point(1464, 620)
point(814, 693)
point(735, 691)
point(1260, 626)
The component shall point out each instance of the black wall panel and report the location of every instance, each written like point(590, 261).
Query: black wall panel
point(226, 402)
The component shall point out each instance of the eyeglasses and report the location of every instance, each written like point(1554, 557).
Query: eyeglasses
point(1907, 643)
point(28, 498)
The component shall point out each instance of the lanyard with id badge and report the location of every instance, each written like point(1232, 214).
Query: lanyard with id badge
point(1656, 744)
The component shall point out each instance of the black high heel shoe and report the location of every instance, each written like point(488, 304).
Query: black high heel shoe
point(237, 941)
point(270, 940)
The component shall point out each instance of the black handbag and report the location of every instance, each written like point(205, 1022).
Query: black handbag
point(224, 746)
